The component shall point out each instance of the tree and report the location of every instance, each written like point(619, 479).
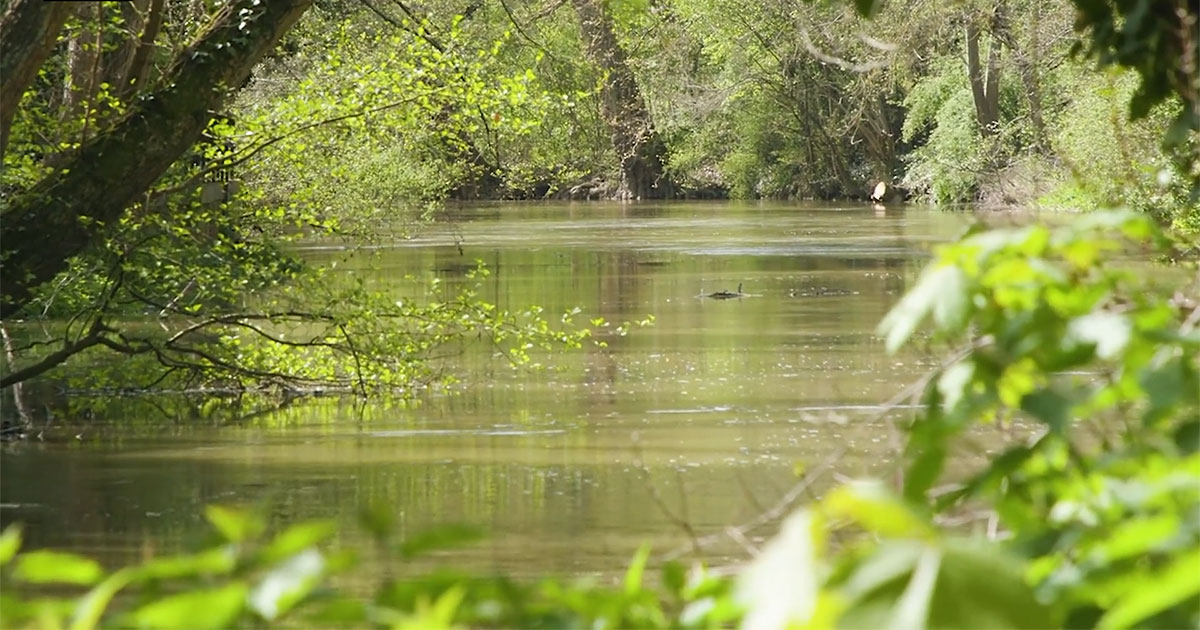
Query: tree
point(28, 31)
point(985, 82)
point(131, 67)
point(639, 148)
point(64, 213)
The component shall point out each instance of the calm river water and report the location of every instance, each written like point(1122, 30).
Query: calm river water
point(711, 409)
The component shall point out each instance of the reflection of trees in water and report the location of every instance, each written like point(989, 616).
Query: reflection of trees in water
point(591, 512)
point(60, 413)
point(618, 280)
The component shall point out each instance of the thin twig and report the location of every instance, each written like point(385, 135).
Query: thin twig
point(362, 385)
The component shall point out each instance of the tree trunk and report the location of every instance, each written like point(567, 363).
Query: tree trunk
point(1027, 65)
point(984, 87)
point(136, 75)
point(638, 146)
point(83, 58)
point(129, 67)
point(28, 32)
point(116, 62)
point(66, 211)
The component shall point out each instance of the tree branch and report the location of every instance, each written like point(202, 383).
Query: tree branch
point(94, 337)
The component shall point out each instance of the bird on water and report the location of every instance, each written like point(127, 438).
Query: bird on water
point(725, 295)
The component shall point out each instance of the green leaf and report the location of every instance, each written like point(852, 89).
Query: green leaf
point(1137, 536)
point(216, 561)
point(10, 543)
point(953, 383)
point(447, 605)
point(981, 586)
point(954, 584)
point(1165, 385)
point(781, 585)
point(288, 584)
point(297, 538)
point(1160, 591)
point(924, 471)
point(953, 298)
point(633, 577)
point(91, 607)
point(912, 611)
point(876, 509)
point(340, 612)
point(235, 524)
point(49, 567)
point(48, 612)
point(888, 563)
point(904, 318)
point(865, 8)
point(674, 577)
point(1187, 437)
point(207, 608)
point(1050, 407)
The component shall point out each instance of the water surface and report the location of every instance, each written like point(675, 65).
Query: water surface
point(703, 417)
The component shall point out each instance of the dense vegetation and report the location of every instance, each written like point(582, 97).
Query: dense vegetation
point(365, 113)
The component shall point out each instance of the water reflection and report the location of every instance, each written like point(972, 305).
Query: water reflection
point(712, 406)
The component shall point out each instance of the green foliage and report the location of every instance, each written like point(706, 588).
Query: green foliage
point(1114, 160)
point(398, 114)
point(1137, 34)
point(1105, 364)
point(948, 167)
point(898, 571)
point(316, 334)
point(246, 580)
point(756, 114)
point(953, 161)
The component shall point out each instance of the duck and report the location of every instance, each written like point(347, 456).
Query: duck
point(725, 295)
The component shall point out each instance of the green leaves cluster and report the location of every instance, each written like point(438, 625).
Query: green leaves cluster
point(1101, 499)
point(239, 576)
point(1092, 510)
point(395, 115)
point(246, 579)
point(1138, 34)
point(313, 334)
point(897, 570)
point(891, 569)
point(368, 340)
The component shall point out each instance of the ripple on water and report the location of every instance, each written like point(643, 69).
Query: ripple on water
point(485, 432)
point(717, 409)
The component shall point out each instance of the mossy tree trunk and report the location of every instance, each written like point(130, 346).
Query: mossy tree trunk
point(638, 146)
point(67, 210)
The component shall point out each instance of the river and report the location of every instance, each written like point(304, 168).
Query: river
point(705, 417)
